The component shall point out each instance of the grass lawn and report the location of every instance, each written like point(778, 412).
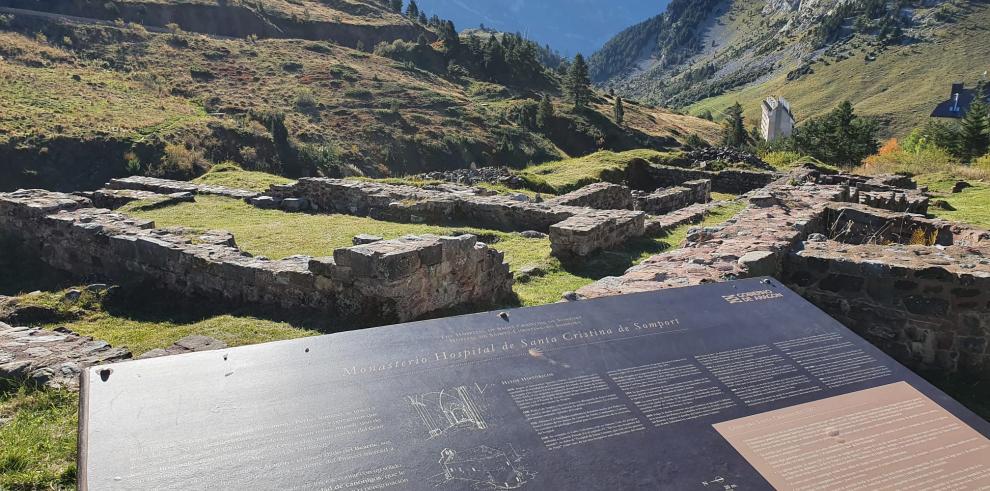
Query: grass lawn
point(232, 176)
point(971, 206)
point(38, 435)
point(567, 175)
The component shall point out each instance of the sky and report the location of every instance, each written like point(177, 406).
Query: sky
point(569, 26)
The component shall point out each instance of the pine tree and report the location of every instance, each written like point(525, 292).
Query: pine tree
point(735, 126)
point(839, 138)
point(412, 10)
point(974, 132)
point(619, 111)
point(544, 113)
point(577, 84)
point(395, 5)
point(448, 34)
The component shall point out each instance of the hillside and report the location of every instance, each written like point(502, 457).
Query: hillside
point(893, 60)
point(86, 99)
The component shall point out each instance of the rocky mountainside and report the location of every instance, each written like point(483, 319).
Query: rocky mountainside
point(892, 59)
point(95, 90)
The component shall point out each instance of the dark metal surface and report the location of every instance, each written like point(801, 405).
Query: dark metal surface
point(457, 403)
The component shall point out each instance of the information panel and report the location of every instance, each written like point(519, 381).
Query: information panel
point(740, 385)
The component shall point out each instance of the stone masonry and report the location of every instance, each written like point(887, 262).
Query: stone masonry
point(733, 181)
point(565, 224)
point(916, 287)
point(600, 195)
point(167, 186)
point(663, 201)
point(388, 281)
point(50, 358)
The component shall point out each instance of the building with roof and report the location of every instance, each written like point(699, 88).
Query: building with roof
point(958, 104)
point(778, 121)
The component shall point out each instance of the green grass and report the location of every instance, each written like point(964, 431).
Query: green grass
point(567, 175)
point(38, 441)
point(276, 234)
point(143, 335)
point(48, 101)
point(972, 206)
point(232, 176)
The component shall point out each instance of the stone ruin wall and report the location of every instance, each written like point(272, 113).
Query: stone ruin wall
point(664, 201)
point(387, 281)
point(918, 288)
point(574, 230)
point(600, 195)
point(732, 181)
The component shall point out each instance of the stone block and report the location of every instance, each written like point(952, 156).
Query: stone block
point(366, 239)
point(264, 202)
point(760, 263)
point(294, 204)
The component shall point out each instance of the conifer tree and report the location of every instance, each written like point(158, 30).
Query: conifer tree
point(577, 83)
point(395, 5)
point(735, 126)
point(412, 10)
point(974, 132)
point(619, 111)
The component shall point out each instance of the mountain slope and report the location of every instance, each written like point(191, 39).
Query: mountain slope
point(571, 26)
point(893, 63)
point(90, 100)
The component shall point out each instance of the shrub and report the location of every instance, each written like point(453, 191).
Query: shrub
point(695, 141)
point(248, 155)
point(782, 160)
point(358, 93)
point(924, 161)
point(181, 161)
point(982, 163)
point(132, 163)
point(305, 99)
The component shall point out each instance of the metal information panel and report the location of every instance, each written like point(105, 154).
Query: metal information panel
point(740, 385)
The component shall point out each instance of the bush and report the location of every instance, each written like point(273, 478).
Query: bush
point(305, 99)
point(180, 161)
point(132, 163)
point(782, 160)
point(982, 163)
point(925, 161)
point(694, 141)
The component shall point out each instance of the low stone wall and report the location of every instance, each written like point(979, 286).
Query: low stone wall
point(859, 224)
point(925, 306)
point(917, 287)
point(602, 196)
point(168, 186)
point(888, 192)
point(730, 181)
point(664, 201)
point(398, 280)
point(416, 205)
point(116, 198)
point(658, 225)
point(583, 234)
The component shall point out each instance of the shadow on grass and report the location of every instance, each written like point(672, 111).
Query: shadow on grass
point(145, 303)
point(615, 263)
